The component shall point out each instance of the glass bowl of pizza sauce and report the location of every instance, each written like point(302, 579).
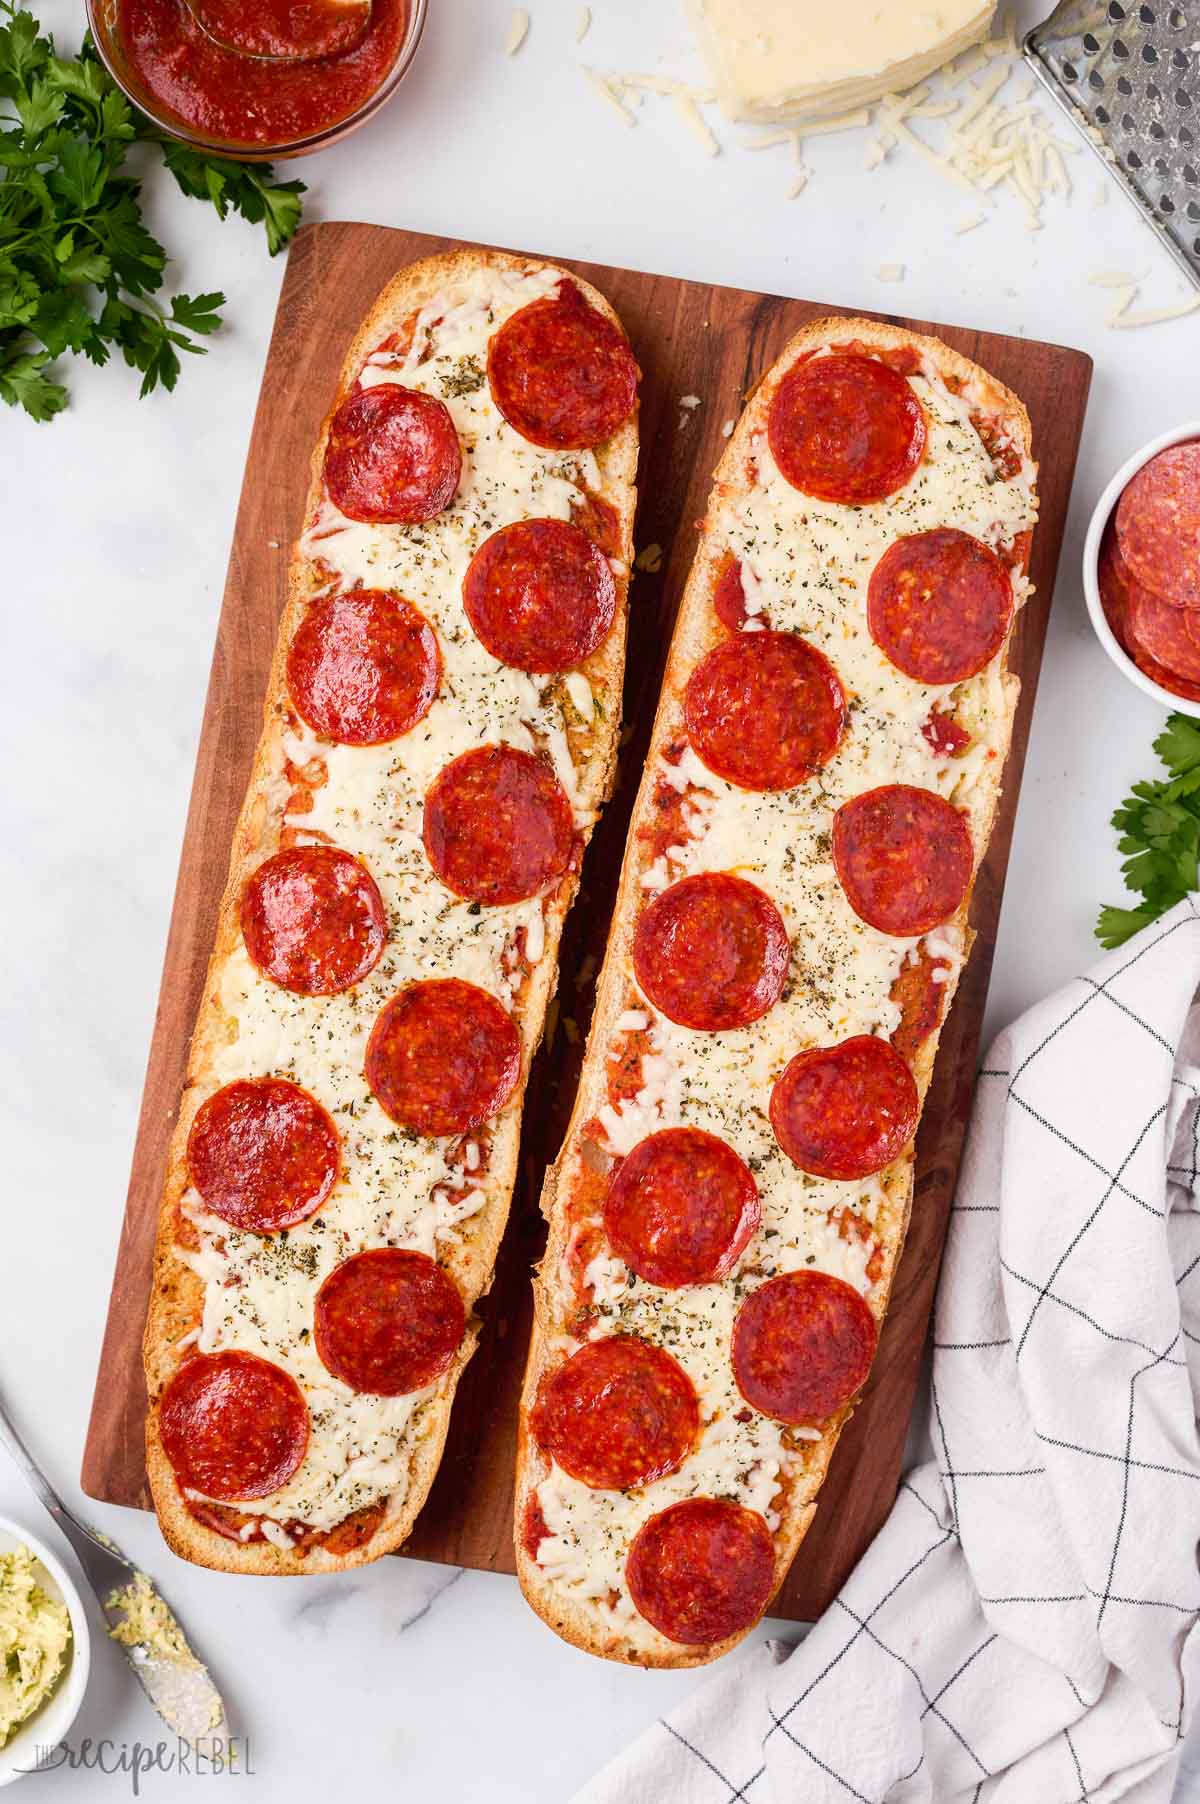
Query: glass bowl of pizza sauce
point(257, 79)
point(1141, 568)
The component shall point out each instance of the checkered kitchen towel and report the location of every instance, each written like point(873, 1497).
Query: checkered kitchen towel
point(1024, 1628)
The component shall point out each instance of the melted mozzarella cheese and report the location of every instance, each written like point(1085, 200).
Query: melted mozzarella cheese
point(590, 1531)
point(396, 1188)
point(805, 567)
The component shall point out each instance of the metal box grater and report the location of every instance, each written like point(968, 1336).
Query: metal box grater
point(1129, 76)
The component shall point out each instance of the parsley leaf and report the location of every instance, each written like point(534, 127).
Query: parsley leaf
point(80, 272)
point(22, 384)
point(197, 312)
point(244, 187)
point(1159, 829)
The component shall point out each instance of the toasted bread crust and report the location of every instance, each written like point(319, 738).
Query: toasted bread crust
point(571, 1618)
point(177, 1293)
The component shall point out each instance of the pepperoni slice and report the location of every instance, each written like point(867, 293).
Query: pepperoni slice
point(393, 456)
point(681, 1208)
point(363, 668)
point(561, 373)
point(498, 827)
point(287, 30)
point(939, 605)
point(702, 1570)
point(845, 1111)
point(904, 858)
point(712, 952)
point(1162, 633)
point(1166, 679)
point(846, 428)
point(802, 1346)
point(765, 710)
point(540, 595)
point(1113, 581)
point(944, 735)
point(388, 1321)
point(616, 1414)
point(1117, 591)
point(262, 1154)
point(233, 1426)
point(443, 1056)
point(313, 920)
point(1158, 524)
point(729, 597)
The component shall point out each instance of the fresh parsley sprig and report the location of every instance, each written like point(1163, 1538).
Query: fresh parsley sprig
point(247, 188)
point(1159, 825)
point(79, 271)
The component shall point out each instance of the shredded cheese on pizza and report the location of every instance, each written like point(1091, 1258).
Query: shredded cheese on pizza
point(805, 566)
point(396, 1188)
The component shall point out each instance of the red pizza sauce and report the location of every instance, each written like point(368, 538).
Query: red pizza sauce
point(533, 1526)
point(285, 28)
point(346, 1536)
point(220, 94)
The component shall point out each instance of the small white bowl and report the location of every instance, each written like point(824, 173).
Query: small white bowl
point(1091, 559)
point(47, 1726)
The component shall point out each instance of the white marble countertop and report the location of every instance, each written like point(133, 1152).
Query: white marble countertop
point(117, 520)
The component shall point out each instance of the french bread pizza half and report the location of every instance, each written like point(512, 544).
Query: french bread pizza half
point(730, 1203)
point(439, 735)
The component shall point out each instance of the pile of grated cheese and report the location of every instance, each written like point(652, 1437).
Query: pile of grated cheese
point(992, 135)
point(981, 121)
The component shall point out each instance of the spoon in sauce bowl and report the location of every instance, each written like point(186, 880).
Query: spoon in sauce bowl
point(283, 31)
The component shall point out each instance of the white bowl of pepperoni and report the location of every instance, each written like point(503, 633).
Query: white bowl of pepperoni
point(1141, 568)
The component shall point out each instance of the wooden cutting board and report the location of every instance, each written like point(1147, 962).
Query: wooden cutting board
point(690, 339)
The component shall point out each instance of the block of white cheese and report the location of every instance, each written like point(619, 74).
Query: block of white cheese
point(810, 59)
